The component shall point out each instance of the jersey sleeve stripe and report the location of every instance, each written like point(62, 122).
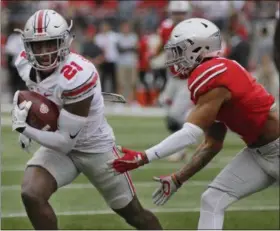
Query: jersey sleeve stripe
point(205, 73)
point(208, 78)
point(83, 88)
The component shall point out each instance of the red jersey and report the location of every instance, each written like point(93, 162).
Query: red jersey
point(247, 110)
point(165, 30)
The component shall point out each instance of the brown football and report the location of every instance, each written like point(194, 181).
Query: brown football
point(43, 113)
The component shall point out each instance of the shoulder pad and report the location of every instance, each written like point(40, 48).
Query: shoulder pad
point(21, 58)
point(22, 65)
point(204, 74)
point(78, 78)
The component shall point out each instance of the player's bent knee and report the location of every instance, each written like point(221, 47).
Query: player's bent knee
point(206, 202)
point(215, 201)
point(37, 185)
point(30, 198)
point(30, 194)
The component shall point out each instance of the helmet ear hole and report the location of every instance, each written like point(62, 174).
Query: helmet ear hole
point(207, 47)
point(190, 41)
point(199, 59)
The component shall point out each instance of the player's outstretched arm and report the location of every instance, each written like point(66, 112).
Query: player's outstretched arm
point(210, 147)
point(200, 120)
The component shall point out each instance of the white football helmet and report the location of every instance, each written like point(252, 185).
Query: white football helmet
point(46, 25)
point(190, 42)
point(179, 6)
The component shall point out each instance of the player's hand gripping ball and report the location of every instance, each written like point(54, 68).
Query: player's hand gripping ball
point(43, 114)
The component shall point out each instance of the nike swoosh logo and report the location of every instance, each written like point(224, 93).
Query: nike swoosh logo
point(74, 136)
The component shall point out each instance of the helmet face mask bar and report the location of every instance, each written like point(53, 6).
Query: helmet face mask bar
point(61, 38)
point(44, 53)
point(62, 50)
point(176, 56)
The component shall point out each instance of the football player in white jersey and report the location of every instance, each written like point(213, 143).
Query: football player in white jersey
point(84, 140)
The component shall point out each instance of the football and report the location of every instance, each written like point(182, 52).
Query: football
point(43, 113)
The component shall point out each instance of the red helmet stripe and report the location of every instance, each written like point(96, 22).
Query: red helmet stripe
point(40, 20)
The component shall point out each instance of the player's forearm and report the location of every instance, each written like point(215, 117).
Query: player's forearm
point(53, 140)
point(203, 155)
point(64, 139)
point(188, 135)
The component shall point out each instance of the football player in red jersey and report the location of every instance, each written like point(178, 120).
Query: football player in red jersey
point(225, 96)
point(175, 92)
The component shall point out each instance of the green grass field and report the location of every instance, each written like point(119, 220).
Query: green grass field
point(79, 206)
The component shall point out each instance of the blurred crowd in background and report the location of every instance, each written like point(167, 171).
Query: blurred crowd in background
point(120, 37)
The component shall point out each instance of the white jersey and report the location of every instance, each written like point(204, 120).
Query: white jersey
point(74, 79)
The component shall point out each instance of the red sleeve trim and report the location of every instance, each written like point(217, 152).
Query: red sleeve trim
point(83, 88)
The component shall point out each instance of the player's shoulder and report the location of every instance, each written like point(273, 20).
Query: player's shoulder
point(207, 73)
point(77, 77)
point(209, 68)
point(21, 59)
point(212, 63)
point(22, 65)
point(75, 71)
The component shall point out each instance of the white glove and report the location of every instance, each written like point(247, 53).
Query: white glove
point(25, 142)
point(169, 185)
point(19, 115)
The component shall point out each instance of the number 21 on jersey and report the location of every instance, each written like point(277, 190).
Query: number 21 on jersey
point(70, 70)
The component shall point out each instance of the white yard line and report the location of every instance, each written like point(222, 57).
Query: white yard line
point(144, 184)
point(155, 210)
point(218, 165)
point(115, 110)
point(141, 184)
point(156, 167)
